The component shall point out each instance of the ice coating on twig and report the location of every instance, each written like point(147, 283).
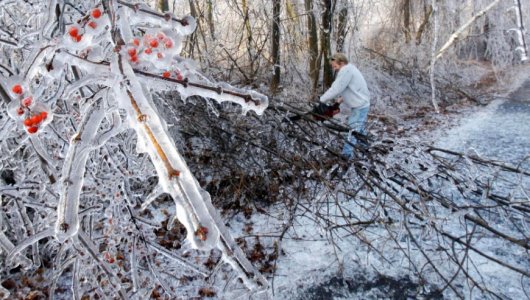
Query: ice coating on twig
point(67, 224)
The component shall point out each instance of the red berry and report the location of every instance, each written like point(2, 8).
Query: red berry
point(168, 43)
point(92, 24)
point(148, 51)
point(28, 122)
point(153, 43)
point(108, 257)
point(147, 37)
point(132, 51)
point(73, 31)
point(136, 42)
point(134, 58)
point(33, 129)
point(43, 115)
point(160, 55)
point(27, 101)
point(96, 13)
point(160, 35)
point(20, 111)
point(166, 74)
point(78, 38)
point(17, 89)
point(36, 119)
point(179, 76)
point(202, 233)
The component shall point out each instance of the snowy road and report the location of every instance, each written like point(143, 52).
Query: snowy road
point(499, 131)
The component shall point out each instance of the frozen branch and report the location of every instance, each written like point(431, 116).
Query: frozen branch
point(457, 34)
point(81, 144)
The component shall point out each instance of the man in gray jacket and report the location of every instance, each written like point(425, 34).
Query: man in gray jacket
point(351, 91)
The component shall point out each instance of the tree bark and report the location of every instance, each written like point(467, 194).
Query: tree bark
point(248, 30)
point(209, 7)
point(423, 25)
point(276, 45)
point(162, 5)
point(194, 36)
point(342, 29)
point(520, 30)
point(406, 20)
point(314, 63)
point(325, 41)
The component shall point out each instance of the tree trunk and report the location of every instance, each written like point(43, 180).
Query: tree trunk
point(406, 20)
point(209, 7)
point(193, 39)
point(325, 41)
point(423, 24)
point(520, 31)
point(342, 29)
point(314, 63)
point(248, 30)
point(162, 5)
point(276, 45)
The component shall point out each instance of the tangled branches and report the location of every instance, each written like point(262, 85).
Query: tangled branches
point(441, 216)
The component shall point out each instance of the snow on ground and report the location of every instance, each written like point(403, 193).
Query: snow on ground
point(499, 131)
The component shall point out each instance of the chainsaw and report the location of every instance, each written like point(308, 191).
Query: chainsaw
point(320, 112)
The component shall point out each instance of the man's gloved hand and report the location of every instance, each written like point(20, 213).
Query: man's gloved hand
point(323, 111)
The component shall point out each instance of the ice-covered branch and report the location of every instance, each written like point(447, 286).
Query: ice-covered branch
point(188, 21)
point(81, 144)
point(192, 204)
point(457, 34)
point(7, 246)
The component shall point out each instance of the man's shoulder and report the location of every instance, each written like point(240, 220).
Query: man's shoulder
point(349, 68)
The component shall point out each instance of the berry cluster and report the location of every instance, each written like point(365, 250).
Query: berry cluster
point(150, 46)
point(76, 32)
point(31, 114)
point(153, 48)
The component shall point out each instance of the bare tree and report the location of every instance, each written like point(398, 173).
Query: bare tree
point(325, 41)
point(275, 49)
point(314, 61)
point(342, 29)
point(520, 31)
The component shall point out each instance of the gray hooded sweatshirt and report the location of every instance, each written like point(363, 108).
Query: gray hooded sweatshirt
point(351, 86)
